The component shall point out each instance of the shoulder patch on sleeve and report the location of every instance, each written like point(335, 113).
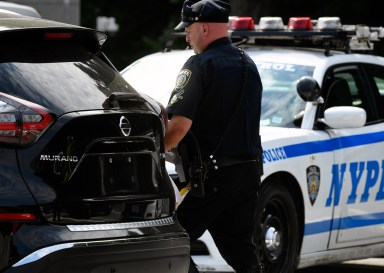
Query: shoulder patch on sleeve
point(178, 95)
point(182, 79)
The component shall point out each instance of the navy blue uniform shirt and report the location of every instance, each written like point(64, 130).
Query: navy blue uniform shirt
point(207, 90)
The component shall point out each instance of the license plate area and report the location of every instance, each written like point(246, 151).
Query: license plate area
point(118, 168)
point(124, 173)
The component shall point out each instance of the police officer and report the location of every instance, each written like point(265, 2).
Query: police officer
point(204, 99)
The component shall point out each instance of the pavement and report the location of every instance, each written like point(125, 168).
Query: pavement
point(371, 265)
point(369, 262)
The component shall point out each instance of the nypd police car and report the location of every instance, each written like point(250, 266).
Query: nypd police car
point(322, 130)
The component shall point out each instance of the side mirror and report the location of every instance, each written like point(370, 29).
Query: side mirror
point(340, 117)
point(308, 89)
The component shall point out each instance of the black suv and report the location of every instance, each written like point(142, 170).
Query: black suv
point(83, 184)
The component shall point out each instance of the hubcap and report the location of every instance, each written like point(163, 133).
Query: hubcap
point(272, 239)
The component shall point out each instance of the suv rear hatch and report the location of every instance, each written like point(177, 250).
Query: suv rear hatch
point(98, 159)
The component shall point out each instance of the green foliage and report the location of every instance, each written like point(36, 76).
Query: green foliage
point(143, 26)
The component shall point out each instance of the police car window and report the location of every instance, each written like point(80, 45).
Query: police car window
point(377, 79)
point(380, 85)
point(380, 102)
point(280, 102)
point(345, 86)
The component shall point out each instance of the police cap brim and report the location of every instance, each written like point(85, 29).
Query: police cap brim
point(183, 25)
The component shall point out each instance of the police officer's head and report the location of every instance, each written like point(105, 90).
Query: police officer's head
point(207, 11)
point(204, 22)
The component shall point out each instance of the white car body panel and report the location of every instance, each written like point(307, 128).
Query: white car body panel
point(19, 9)
point(149, 76)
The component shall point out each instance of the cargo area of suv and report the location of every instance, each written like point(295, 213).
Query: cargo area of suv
point(83, 184)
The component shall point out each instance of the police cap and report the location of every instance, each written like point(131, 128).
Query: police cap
point(214, 11)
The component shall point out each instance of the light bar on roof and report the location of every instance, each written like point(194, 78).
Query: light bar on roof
point(362, 32)
point(328, 23)
point(241, 23)
point(300, 23)
point(271, 23)
point(326, 32)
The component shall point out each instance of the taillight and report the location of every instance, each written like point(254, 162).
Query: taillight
point(58, 36)
point(16, 216)
point(9, 129)
point(22, 122)
point(11, 220)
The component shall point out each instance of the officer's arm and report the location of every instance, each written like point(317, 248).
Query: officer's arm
point(178, 127)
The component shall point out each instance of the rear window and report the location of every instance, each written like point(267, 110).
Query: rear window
point(62, 77)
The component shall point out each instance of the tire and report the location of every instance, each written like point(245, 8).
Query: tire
point(277, 230)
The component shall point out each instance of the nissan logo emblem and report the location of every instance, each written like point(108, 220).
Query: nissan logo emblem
point(125, 126)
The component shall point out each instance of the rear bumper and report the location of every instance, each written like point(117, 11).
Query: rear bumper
point(142, 254)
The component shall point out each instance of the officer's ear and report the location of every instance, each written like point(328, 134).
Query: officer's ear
point(205, 28)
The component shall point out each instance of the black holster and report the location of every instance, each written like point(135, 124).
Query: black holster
point(195, 169)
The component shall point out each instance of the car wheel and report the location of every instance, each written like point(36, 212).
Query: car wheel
point(277, 234)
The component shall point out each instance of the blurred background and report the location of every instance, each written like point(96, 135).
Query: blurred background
point(139, 27)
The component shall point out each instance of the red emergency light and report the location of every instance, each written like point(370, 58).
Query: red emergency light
point(300, 23)
point(241, 23)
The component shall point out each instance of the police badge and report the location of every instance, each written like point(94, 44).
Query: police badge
point(313, 182)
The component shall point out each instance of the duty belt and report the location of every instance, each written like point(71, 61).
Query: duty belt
point(226, 161)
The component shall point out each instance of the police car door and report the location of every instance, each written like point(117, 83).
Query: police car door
point(357, 188)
